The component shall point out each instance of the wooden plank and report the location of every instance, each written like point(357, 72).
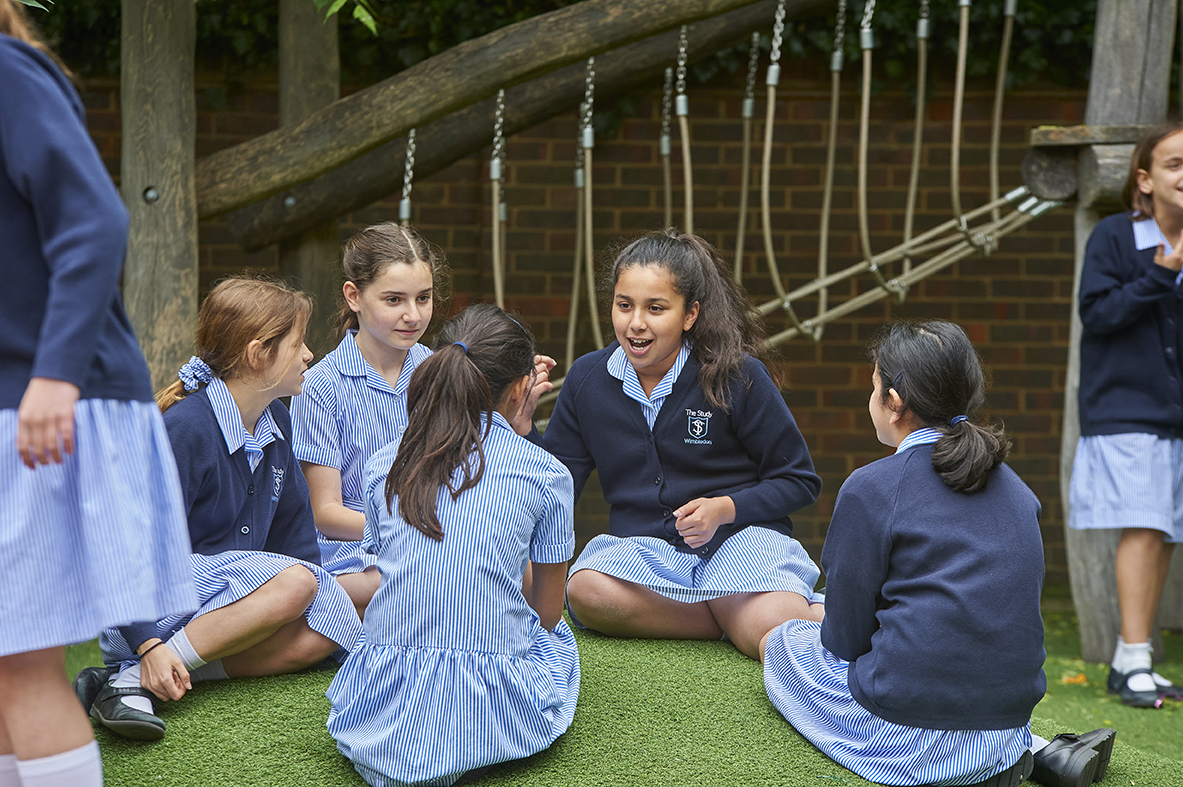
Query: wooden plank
point(309, 80)
point(460, 76)
point(159, 130)
point(379, 172)
point(1059, 136)
point(1129, 85)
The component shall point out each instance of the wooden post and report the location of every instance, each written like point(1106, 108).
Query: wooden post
point(1129, 84)
point(159, 129)
point(309, 79)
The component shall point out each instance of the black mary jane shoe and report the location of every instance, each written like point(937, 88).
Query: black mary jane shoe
point(88, 682)
point(1118, 680)
point(1136, 699)
point(1067, 761)
point(110, 711)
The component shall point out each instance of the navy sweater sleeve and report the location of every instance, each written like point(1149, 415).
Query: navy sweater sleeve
point(293, 529)
point(769, 434)
point(563, 437)
point(1117, 287)
point(52, 163)
point(855, 560)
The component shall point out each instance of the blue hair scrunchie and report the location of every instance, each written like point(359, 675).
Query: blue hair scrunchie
point(958, 419)
point(195, 373)
point(462, 346)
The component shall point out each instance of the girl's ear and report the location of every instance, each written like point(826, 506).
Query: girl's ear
point(690, 318)
point(254, 356)
point(1144, 184)
point(896, 404)
point(352, 295)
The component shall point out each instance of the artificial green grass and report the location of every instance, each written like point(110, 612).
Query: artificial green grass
point(651, 712)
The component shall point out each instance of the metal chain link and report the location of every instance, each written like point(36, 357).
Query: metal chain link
point(589, 92)
point(409, 168)
point(778, 31)
point(667, 99)
point(840, 27)
point(753, 66)
point(498, 125)
point(680, 86)
point(579, 140)
point(924, 9)
point(868, 14)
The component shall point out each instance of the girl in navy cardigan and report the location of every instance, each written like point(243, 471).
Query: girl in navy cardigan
point(929, 661)
point(266, 605)
point(698, 455)
point(1129, 460)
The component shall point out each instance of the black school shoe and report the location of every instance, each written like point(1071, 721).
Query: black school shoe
point(123, 719)
point(1119, 683)
point(1071, 760)
point(88, 682)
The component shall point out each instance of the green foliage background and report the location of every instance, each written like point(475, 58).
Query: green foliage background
point(1053, 39)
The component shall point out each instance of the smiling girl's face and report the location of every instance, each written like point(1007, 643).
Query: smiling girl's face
point(394, 310)
point(1163, 183)
point(649, 317)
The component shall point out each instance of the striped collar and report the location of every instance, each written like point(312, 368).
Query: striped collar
point(1147, 235)
point(230, 421)
point(621, 369)
point(922, 436)
point(352, 363)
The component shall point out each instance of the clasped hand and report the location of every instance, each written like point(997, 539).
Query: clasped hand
point(701, 517)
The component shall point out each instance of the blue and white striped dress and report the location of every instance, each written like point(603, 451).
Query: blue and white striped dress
point(455, 672)
point(105, 530)
point(754, 560)
point(346, 412)
point(226, 577)
point(808, 685)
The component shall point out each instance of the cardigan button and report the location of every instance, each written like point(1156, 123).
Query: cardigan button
point(250, 490)
point(665, 512)
point(245, 530)
point(657, 481)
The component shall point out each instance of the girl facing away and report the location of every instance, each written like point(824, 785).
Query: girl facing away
point(355, 399)
point(929, 661)
point(92, 526)
point(1128, 468)
point(266, 605)
point(700, 459)
point(464, 663)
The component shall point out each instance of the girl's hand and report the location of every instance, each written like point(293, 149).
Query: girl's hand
point(700, 518)
point(523, 422)
point(163, 673)
point(45, 421)
point(1172, 261)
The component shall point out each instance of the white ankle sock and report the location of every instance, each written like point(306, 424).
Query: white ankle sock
point(127, 679)
point(79, 767)
point(8, 775)
point(1131, 656)
point(1038, 743)
point(199, 668)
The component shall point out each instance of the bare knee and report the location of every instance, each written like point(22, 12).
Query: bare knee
point(596, 598)
point(290, 592)
point(306, 648)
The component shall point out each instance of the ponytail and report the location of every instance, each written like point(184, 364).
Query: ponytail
point(450, 400)
point(938, 375)
point(727, 328)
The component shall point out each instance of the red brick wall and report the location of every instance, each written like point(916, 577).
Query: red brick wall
point(1014, 304)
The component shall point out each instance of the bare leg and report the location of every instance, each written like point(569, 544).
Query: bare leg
point(1143, 560)
point(39, 714)
point(292, 648)
point(253, 619)
point(624, 609)
point(748, 617)
point(361, 587)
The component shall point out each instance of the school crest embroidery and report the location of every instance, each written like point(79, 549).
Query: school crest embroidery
point(276, 482)
point(698, 425)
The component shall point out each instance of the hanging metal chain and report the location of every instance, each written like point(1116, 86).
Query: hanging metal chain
point(589, 93)
point(498, 128)
point(667, 100)
point(409, 169)
point(778, 31)
point(578, 143)
point(680, 86)
point(840, 27)
point(749, 93)
point(868, 14)
point(924, 9)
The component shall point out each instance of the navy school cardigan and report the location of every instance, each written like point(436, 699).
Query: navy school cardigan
point(754, 452)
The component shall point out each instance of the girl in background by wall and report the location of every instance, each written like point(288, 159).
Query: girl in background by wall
point(700, 459)
point(267, 607)
point(92, 526)
point(354, 400)
point(929, 661)
point(465, 662)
